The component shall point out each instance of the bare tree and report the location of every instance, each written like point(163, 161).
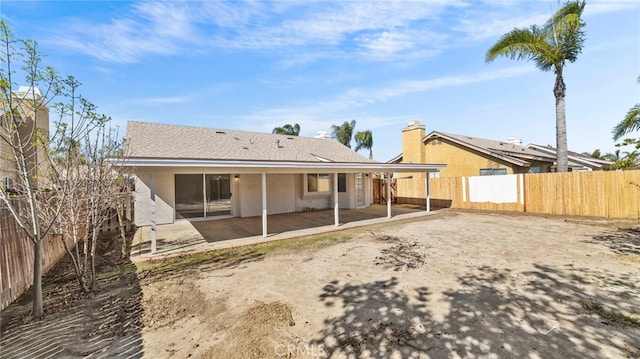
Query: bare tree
point(76, 123)
point(60, 182)
point(121, 201)
point(30, 197)
point(103, 184)
point(84, 153)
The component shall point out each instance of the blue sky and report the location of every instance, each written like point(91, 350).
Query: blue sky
point(257, 65)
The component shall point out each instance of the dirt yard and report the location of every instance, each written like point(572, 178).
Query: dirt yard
point(451, 285)
point(457, 284)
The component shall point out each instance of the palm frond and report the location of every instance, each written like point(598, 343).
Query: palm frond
point(517, 44)
point(571, 8)
point(565, 30)
point(630, 123)
point(287, 130)
point(364, 139)
point(525, 44)
point(344, 132)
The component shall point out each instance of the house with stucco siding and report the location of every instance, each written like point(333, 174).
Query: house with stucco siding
point(195, 173)
point(32, 118)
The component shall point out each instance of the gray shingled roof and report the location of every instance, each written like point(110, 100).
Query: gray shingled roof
point(510, 152)
point(574, 157)
point(514, 153)
point(155, 140)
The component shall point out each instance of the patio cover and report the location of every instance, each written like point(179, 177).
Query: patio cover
point(270, 167)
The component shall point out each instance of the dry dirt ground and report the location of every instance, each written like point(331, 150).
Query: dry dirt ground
point(451, 285)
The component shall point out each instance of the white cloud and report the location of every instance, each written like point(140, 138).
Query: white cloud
point(167, 28)
point(334, 110)
point(298, 33)
point(164, 100)
point(156, 28)
point(606, 6)
point(385, 44)
point(493, 26)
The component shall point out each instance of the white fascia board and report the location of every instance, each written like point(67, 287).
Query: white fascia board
point(297, 167)
point(579, 160)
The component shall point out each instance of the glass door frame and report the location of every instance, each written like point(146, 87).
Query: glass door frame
point(206, 194)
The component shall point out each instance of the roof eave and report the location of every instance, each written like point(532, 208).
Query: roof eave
point(282, 165)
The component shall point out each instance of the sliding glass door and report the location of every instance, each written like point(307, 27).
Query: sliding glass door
point(218, 195)
point(202, 195)
point(189, 198)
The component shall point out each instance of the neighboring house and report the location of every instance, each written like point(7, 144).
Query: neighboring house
point(23, 107)
point(472, 156)
point(577, 161)
point(192, 172)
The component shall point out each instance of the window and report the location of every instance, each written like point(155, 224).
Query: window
point(317, 182)
point(342, 182)
point(493, 171)
point(535, 169)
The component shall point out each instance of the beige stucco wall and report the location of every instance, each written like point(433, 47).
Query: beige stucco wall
point(460, 161)
point(285, 194)
point(35, 155)
point(280, 194)
point(164, 198)
point(6, 166)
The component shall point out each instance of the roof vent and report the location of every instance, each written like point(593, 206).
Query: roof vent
point(28, 91)
point(322, 134)
point(514, 141)
point(220, 132)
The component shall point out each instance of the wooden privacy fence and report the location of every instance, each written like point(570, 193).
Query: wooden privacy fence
point(16, 252)
point(379, 191)
point(111, 227)
point(16, 258)
point(607, 194)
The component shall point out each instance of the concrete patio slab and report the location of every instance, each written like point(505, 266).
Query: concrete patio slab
point(192, 236)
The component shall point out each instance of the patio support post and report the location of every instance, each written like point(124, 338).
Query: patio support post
point(388, 195)
point(204, 194)
point(264, 205)
point(427, 192)
point(336, 210)
point(152, 212)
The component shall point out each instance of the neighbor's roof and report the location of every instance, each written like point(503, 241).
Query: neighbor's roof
point(517, 154)
point(161, 141)
point(509, 152)
point(573, 156)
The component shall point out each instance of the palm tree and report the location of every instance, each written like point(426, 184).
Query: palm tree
point(630, 123)
point(344, 132)
point(630, 160)
point(613, 156)
point(550, 46)
point(287, 130)
point(597, 154)
point(364, 139)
